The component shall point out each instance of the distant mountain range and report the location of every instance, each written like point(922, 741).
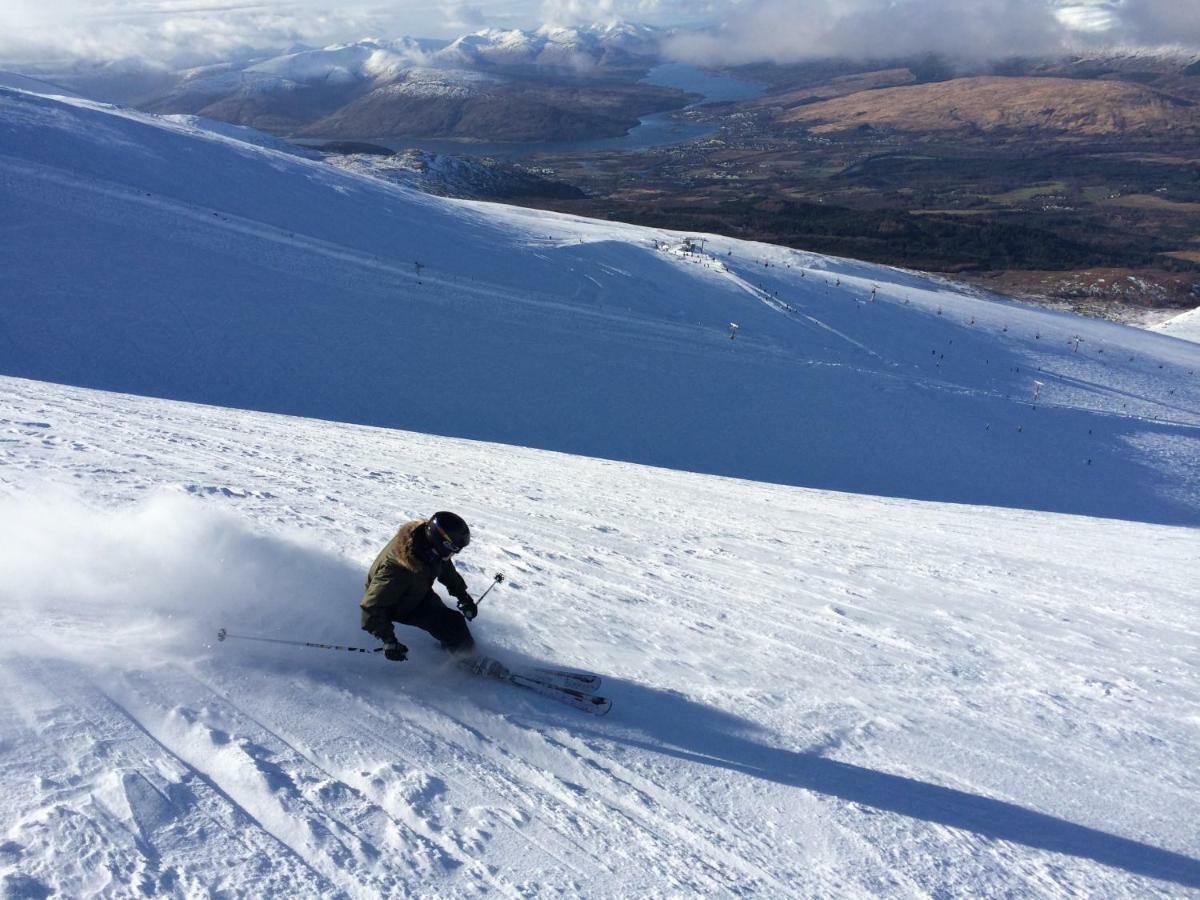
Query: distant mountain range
point(548, 84)
point(581, 49)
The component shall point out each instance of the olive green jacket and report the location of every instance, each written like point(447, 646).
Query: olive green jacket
point(399, 580)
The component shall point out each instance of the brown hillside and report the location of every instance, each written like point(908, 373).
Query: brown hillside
point(507, 111)
point(993, 103)
point(840, 87)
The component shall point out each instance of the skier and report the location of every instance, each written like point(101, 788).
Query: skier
point(400, 586)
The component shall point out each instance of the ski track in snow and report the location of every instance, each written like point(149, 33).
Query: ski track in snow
point(872, 697)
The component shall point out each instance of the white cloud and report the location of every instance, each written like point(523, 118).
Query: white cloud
point(578, 12)
point(793, 30)
point(1159, 21)
point(193, 31)
point(651, 12)
point(464, 16)
point(1087, 15)
point(787, 31)
point(189, 32)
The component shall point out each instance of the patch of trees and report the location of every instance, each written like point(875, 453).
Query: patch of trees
point(940, 243)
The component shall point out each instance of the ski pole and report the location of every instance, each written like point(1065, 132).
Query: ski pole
point(222, 634)
point(498, 578)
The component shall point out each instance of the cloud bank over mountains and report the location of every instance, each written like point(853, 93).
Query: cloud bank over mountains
point(777, 30)
point(193, 32)
point(1160, 21)
point(181, 33)
point(787, 31)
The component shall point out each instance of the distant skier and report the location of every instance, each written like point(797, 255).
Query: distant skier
point(400, 585)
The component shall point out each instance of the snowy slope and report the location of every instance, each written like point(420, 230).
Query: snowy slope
point(36, 85)
point(243, 135)
point(142, 256)
point(1185, 326)
point(816, 694)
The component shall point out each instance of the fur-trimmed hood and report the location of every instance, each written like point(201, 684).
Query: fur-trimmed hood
point(402, 550)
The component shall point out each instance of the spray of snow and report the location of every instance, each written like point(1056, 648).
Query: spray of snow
point(157, 578)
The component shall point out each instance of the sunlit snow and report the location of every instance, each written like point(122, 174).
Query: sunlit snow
point(951, 651)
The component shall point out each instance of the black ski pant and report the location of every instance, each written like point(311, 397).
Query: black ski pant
point(444, 623)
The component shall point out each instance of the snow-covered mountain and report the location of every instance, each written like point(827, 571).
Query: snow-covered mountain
point(151, 258)
point(574, 48)
point(377, 62)
point(492, 85)
point(348, 63)
point(382, 61)
point(288, 91)
point(816, 693)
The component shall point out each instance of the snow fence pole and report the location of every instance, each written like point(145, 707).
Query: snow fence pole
point(222, 635)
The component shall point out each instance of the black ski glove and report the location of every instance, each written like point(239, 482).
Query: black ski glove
point(395, 651)
point(466, 606)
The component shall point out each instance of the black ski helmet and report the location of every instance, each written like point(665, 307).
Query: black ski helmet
point(447, 533)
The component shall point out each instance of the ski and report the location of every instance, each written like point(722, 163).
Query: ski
point(588, 703)
point(530, 680)
point(568, 678)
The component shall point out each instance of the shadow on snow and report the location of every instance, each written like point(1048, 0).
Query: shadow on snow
point(668, 724)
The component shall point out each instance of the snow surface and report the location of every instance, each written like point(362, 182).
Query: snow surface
point(1185, 326)
point(243, 134)
point(430, 82)
point(146, 257)
point(815, 694)
point(36, 85)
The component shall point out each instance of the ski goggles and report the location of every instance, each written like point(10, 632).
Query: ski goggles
point(445, 547)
